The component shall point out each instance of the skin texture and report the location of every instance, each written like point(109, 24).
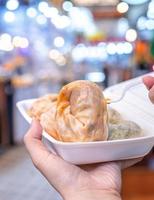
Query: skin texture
point(88, 182)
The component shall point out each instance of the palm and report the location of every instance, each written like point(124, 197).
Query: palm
point(103, 176)
point(93, 177)
point(68, 177)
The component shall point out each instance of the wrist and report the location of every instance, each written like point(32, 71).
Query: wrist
point(94, 195)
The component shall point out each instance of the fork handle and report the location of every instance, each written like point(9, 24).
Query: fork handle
point(125, 89)
point(132, 84)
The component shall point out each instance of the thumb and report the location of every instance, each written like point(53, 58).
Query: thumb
point(51, 166)
point(35, 130)
point(33, 143)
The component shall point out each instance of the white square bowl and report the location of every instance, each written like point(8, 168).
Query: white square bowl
point(135, 106)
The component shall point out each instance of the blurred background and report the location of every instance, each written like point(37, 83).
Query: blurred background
point(46, 44)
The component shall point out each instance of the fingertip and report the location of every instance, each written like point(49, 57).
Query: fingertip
point(36, 124)
point(145, 81)
point(151, 94)
point(148, 81)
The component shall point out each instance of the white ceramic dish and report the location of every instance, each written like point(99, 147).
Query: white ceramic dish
point(135, 106)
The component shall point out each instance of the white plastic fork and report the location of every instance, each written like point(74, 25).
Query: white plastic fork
point(124, 91)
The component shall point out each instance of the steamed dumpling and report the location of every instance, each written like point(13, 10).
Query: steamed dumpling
point(124, 130)
point(42, 105)
point(80, 114)
point(114, 116)
point(48, 122)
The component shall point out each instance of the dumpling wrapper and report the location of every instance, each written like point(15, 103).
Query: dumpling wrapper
point(79, 115)
point(42, 105)
point(124, 130)
point(114, 117)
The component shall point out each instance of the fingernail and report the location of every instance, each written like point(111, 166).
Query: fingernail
point(148, 88)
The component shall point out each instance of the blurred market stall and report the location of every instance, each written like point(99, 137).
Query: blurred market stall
point(46, 44)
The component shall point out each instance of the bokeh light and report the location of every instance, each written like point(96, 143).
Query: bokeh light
point(12, 4)
point(31, 12)
point(9, 17)
point(131, 35)
point(122, 7)
point(59, 41)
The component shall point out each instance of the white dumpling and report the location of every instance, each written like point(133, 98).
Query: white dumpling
point(114, 116)
point(124, 130)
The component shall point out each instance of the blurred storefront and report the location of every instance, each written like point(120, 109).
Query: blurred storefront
point(46, 44)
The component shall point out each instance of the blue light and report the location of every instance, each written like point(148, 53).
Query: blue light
point(12, 4)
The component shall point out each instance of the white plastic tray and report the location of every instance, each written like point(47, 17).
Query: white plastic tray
point(135, 106)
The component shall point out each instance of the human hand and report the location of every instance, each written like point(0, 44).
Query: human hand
point(149, 83)
point(86, 182)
